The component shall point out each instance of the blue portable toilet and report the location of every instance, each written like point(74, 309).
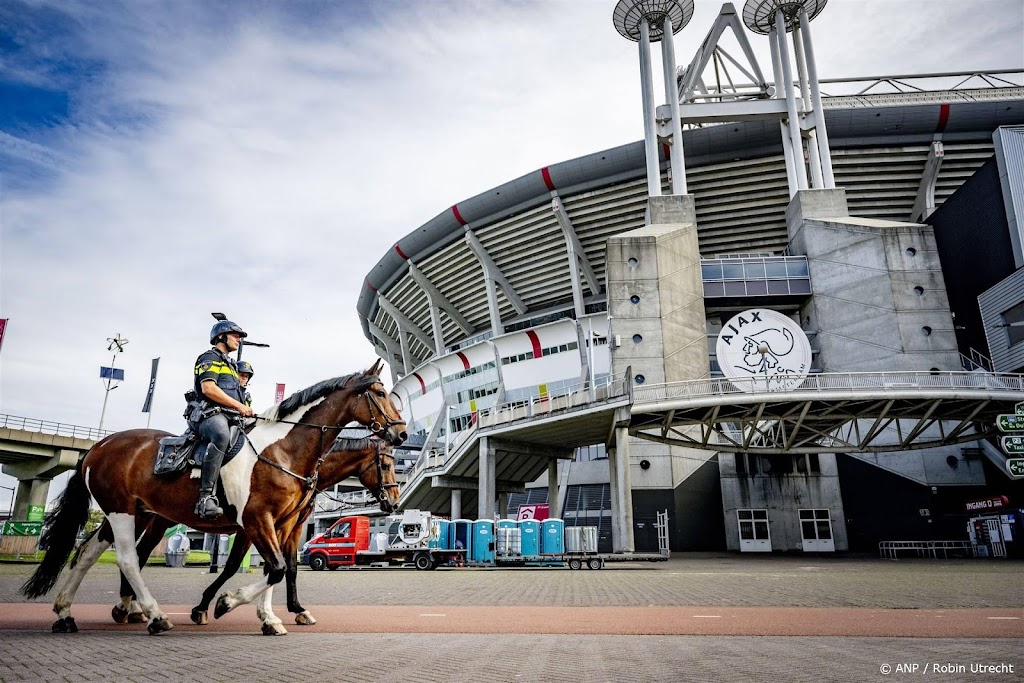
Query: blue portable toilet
point(442, 540)
point(461, 536)
point(529, 534)
point(483, 542)
point(552, 536)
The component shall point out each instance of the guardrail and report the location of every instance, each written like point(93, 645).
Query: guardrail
point(29, 424)
point(889, 550)
point(833, 382)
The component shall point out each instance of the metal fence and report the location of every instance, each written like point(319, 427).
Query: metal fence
point(834, 382)
point(29, 424)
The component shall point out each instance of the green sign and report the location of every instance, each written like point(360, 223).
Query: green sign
point(1013, 445)
point(22, 528)
point(1010, 423)
point(176, 529)
point(1015, 466)
point(36, 513)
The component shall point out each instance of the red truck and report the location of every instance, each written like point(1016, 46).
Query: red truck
point(410, 538)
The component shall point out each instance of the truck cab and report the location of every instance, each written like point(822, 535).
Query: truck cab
point(337, 547)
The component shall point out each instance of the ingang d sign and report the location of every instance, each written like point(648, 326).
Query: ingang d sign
point(766, 349)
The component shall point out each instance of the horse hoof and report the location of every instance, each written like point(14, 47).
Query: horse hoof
point(200, 617)
point(119, 614)
point(222, 607)
point(159, 626)
point(304, 618)
point(275, 629)
point(136, 618)
point(65, 625)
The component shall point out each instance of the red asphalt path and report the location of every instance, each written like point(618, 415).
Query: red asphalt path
point(674, 621)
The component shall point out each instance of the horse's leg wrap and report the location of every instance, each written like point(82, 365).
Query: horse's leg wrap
point(90, 552)
point(123, 526)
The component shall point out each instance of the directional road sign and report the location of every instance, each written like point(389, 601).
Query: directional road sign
point(1010, 423)
point(1015, 466)
point(1013, 445)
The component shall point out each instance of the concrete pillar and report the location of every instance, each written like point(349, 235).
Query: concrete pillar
point(487, 485)
point(625, 493)
point(456, 503)
point(31, 493)
point(613, 493)
point(502, 505)
point(554, 502)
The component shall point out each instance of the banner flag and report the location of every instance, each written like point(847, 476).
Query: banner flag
point(152, 386)
point(279, 394)
point(116, 374)
point(3, 326)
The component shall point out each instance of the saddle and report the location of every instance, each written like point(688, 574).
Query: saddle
point(177, 453)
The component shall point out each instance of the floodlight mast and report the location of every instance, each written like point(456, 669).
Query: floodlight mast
point(117, 344)
point(643, 21)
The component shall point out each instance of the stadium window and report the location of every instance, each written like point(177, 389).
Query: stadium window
point(815, 464)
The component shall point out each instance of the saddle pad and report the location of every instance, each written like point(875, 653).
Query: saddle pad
point(177, 452)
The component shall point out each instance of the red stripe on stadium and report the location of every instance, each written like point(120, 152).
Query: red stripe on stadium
point(943, 118)
point(465, 361)
point(423, 386)
point(368, 284)
point(535, 340)
point(458, 216)
point(401, 253)
point(547, 179)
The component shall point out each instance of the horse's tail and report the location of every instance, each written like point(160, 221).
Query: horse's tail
point(58, 539)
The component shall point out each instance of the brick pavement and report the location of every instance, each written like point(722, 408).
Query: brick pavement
point(728, 580)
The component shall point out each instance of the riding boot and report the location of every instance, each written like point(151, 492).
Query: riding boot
point(207, 507)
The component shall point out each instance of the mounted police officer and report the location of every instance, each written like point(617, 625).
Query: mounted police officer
point(217, 387)
point(245, 374)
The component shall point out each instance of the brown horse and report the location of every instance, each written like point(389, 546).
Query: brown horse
point(291, 442)
point(368, 458)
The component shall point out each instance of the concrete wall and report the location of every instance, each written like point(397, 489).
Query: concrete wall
point(879, 300)
point(783, 496)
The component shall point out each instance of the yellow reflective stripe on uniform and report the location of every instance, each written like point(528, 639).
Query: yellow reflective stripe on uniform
point(216, 367)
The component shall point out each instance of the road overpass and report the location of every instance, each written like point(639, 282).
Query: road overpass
point(34, 452)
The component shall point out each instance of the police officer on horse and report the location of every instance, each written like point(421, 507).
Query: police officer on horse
point(245, 374)
point(217, 387)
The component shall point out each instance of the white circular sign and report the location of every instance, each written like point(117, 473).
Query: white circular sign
point(765, 347)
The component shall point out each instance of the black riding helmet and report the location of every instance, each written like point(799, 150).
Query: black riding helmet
point(223, 327)
point(245, 367)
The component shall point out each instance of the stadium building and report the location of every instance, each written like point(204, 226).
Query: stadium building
point(578, 336)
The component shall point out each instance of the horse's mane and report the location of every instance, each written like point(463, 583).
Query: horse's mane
point(349, 443)
point(317, 391)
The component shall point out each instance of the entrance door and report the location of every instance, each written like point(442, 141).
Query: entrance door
point(816, 530)
point(754, 534)
point(996, 537)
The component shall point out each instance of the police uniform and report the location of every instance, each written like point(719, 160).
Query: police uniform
point(209, 419)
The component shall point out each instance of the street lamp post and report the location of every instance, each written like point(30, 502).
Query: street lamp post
point(117, 344)
point(13, 490)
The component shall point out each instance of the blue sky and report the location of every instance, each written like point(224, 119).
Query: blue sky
point(162, 160)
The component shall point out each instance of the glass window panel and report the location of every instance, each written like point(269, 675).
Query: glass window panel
point(761, 531)
point(757, 287)
point(807, 529)
point(760, 514)
point(734, 271)
point(753, 270)
point(711, 272)
point(714, 289)
point(747, 531)
point(744, 514)
point(778, 287)
point(807, 514)
point(775, 269)
point(797, 268)
point(735, 288)
point(800, 286)
point(824, 530)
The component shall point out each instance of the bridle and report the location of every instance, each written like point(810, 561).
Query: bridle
point(374, 426)
point(382, 489)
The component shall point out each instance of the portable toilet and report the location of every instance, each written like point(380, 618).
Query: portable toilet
point(440, 534)
point(529, 537)
point(482, 551)
point(552, 536)
point(462, 536)
point(509, 540)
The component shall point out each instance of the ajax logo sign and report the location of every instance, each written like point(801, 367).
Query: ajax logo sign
point(766, 346)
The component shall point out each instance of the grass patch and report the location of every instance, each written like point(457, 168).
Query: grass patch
point(195, 557)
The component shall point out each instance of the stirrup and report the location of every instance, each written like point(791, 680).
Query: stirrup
point(208, 508)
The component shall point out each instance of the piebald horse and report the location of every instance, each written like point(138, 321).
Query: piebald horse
point(374, 467)
point(291, 442)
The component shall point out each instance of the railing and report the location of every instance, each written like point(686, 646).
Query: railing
point(889, 550)
point(29, 424)
point(844, 382)
point(569, 397)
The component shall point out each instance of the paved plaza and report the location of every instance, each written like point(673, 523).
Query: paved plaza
point(695, 617)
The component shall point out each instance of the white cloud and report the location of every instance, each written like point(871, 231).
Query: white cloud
point(260, 164)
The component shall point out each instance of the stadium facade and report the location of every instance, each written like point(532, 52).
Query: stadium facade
point(579, 278)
